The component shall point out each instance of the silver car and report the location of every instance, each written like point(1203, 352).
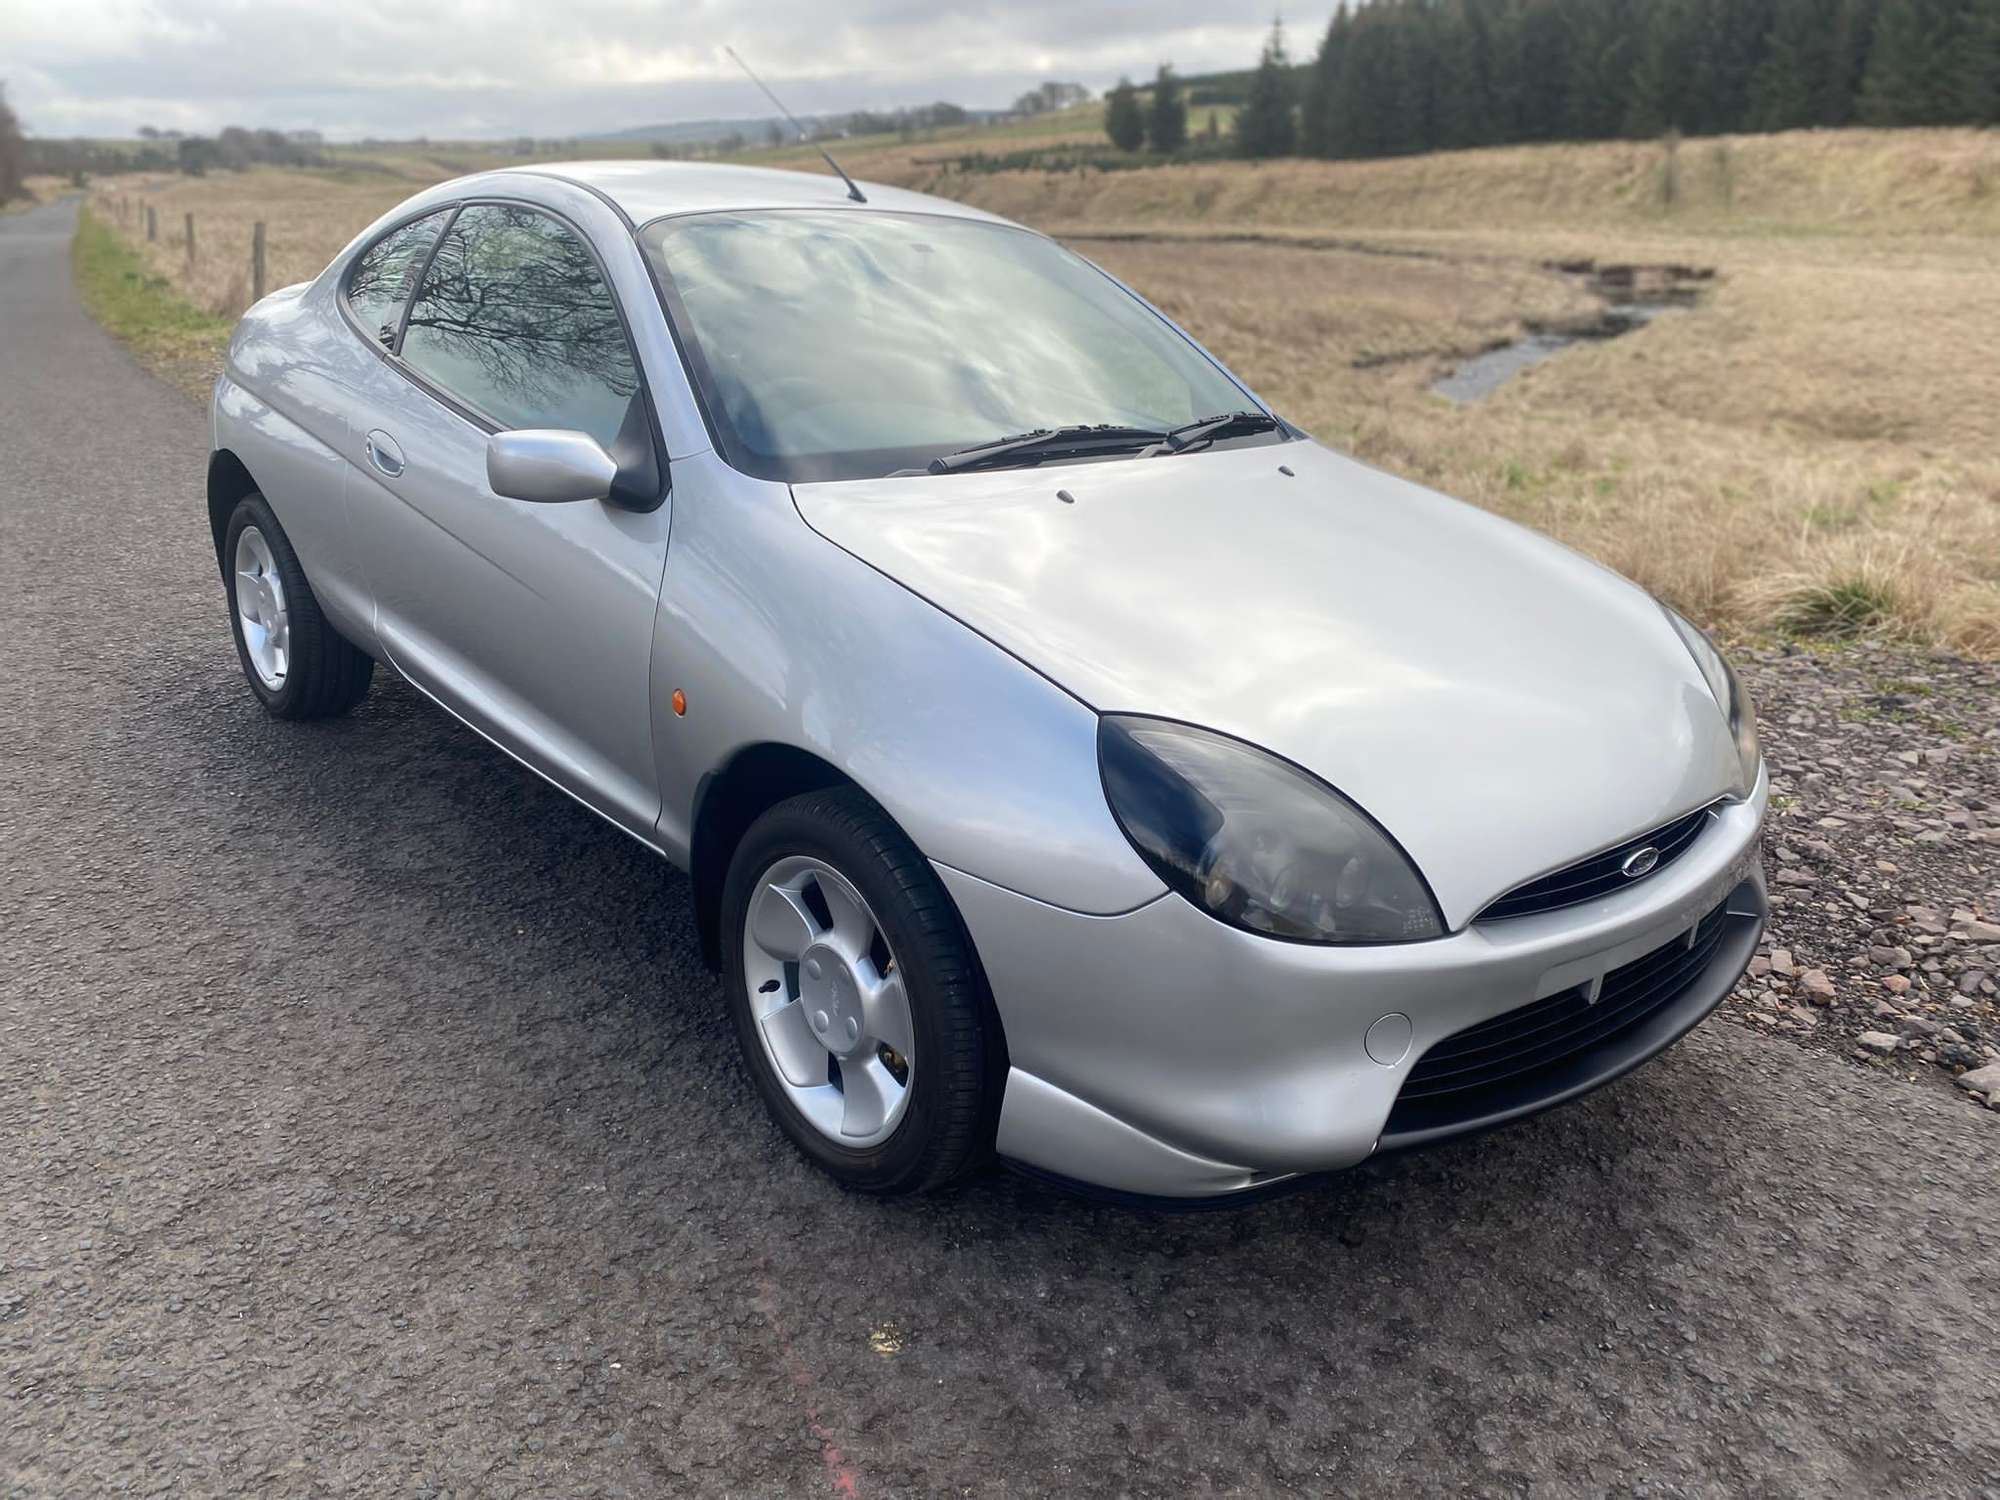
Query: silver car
point(1073, 760)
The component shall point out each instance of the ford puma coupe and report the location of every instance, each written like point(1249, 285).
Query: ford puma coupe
point(1073, 760)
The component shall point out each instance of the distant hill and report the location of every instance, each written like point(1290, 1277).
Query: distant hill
point(702, 132)
point(754, 130)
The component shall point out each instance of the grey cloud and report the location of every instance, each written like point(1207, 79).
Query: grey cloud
point(385, 67)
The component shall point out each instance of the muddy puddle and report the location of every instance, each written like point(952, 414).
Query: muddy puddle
point(1631, 296)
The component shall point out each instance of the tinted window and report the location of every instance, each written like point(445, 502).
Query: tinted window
point(515, 320)
point(380, 277)
point(845, 344)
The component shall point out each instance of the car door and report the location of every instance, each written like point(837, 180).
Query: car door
point(533, 622)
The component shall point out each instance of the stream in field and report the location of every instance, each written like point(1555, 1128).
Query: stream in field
point(1633, 297)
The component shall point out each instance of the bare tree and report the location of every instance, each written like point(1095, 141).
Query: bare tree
point(1052, 95)
point(13, 152)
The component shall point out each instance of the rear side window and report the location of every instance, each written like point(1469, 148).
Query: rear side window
point(515, 320)
point(379, 279)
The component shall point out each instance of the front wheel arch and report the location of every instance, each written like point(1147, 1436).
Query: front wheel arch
point(731, 798)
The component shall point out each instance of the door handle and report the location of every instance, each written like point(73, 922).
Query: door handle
point(384, 453)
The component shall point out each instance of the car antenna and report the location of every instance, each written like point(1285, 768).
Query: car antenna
point(852, 191)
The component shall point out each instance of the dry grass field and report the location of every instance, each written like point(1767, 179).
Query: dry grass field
point(1813, 447)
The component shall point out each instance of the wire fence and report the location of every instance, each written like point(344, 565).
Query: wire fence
point(242, 273)
point(223, 239)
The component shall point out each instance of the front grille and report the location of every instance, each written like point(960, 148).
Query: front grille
point(1484, 1068)
point(1599, 875)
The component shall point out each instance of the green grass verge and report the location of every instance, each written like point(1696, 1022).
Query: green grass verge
point(138, 306)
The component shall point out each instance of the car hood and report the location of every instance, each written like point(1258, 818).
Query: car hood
point(1499, 703)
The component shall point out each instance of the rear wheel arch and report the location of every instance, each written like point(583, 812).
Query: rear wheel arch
point(228, 483)
point(314, 672)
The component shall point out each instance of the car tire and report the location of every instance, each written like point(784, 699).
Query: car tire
point(956, 1068)
point(319, 672)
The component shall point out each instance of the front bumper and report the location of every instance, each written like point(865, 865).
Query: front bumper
point(1161, 1053)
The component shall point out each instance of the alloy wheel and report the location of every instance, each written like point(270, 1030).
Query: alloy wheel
point(260, 609)
point(828, 1001)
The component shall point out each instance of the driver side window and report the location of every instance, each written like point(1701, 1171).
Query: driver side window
point(515, 320)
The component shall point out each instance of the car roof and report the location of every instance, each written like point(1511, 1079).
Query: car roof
point(653, 189)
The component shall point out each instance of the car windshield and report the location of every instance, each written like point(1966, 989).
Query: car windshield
point(845, 345)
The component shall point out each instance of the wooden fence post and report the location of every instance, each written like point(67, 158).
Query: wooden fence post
point(257, 262)
point(152, 222)
point(190, 239)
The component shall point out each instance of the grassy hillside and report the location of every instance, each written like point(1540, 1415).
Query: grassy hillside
point(1806, 182)
point(1814, 446)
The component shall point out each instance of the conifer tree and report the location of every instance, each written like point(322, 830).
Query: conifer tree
point(1912, 58)
point(1660, 97)
point(1265, 126)
point(1542, 41)
point(1317, 132)
point(1976, 76)
point(1602, 57)
point(1847, 61)
point(1798, 55)
point(1124, 119)
point(1166, 120)
point(1420, 75)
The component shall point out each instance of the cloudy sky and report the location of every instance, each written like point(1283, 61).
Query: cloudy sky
point(518, 67)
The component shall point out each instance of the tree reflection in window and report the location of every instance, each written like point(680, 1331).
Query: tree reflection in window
point(515, 320)
point(380, 279)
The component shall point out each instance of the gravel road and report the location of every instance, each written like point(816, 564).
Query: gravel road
point(370, 1126)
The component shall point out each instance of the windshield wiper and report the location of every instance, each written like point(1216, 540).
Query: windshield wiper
point(1208, 429)
point(1047, 442)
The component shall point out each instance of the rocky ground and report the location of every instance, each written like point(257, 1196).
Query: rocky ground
point(1883, 848)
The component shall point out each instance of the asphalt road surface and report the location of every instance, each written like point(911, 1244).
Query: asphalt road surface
point(368, 1124)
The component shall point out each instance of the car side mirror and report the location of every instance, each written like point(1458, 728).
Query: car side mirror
point(549, 467)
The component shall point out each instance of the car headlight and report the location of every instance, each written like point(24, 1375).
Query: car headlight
point(1256, 842)
point(1729, 693)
